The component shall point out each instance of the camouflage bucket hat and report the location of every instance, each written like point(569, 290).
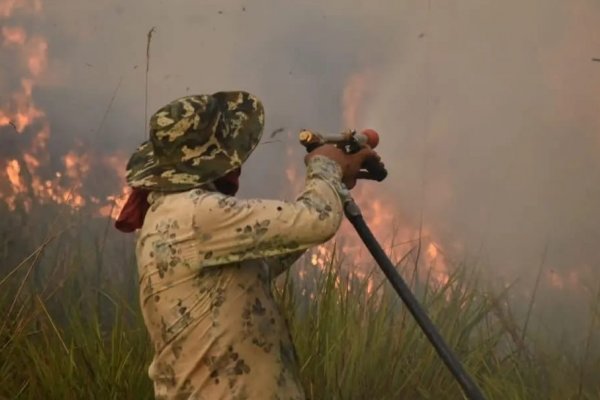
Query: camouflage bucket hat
point(195, 140)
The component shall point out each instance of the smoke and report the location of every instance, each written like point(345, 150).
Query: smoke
point(497, 126)
point(488, 111)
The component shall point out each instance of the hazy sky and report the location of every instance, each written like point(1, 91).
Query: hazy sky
point(488, 110)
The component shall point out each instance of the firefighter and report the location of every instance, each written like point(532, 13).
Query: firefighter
point(206, 259)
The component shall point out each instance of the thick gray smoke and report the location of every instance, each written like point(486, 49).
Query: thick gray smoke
point(497, 116)
point(488, 110)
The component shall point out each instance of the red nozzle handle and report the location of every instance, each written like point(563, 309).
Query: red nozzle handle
point(372, 137)
point(374, 170)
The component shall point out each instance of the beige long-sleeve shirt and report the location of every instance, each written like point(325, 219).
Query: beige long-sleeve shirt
point(205, 263)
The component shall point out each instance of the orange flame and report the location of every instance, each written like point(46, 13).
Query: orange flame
point(379, 209)
point(8, 7)
point(21, 112)
point(116, 202)
point(13, 170)
point(13, 173)
point(24, 112)
point(352, 98)
point(37, 59)
point(13, 36)
point(76, 166)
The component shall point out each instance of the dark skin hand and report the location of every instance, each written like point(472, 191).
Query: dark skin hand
point(350, 163)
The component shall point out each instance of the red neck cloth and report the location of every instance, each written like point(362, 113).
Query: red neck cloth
point(134, 211)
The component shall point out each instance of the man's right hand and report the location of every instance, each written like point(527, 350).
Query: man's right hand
point(351, 164)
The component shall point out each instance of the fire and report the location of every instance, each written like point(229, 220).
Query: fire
point(13, 170)
point(381, 211)
point(25, 174)
point(76, 166)
point(21, 111)
point(352, 96)
point(13, 36)
point(8, 7)
point(20, 114)
point(32, 50)
point(116, 202)
point(13, 173)
point(573, 278)
point(439, 269)
point(37, 59)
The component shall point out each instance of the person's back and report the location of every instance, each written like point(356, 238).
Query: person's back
point(205, 263)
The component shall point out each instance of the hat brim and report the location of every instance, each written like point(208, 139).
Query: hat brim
point(235, 137)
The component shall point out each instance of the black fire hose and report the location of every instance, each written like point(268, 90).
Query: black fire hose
point(355, 217)
point(351, 142)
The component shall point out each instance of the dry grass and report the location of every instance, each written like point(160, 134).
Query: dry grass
point(71, 326)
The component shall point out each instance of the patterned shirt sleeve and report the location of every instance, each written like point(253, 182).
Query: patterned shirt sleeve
point(278, 230)
point(224, 229)
point(317, 169)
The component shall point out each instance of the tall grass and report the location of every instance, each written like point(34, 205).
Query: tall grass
point(71, 326)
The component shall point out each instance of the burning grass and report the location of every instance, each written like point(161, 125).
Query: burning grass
point(71, 325)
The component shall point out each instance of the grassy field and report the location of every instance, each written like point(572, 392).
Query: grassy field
point(71, 326)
